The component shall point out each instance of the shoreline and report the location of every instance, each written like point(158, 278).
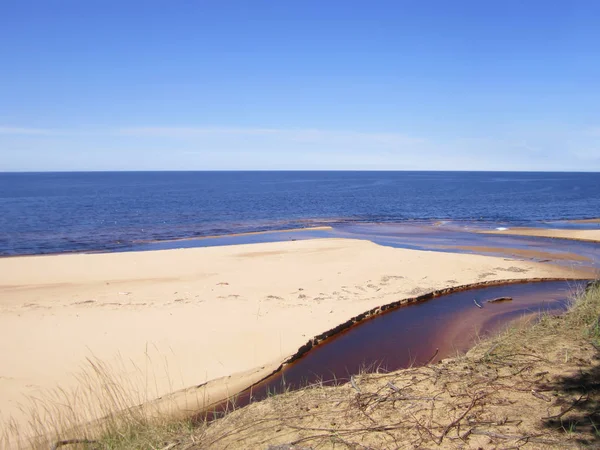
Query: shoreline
point(328, 225)
point(130, 248)
point(248, 233)
point(224, 305)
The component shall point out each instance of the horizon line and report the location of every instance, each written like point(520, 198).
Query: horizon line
point(288, 170)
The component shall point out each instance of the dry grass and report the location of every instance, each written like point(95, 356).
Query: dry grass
point(111, 401)
point(537, 385)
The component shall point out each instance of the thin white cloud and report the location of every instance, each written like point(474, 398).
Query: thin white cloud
point(185, 132)
point(198, 147)
point(24, 131)
point(298, 135)
point(306, 135)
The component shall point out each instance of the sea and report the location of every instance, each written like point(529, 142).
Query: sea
point(44, 213)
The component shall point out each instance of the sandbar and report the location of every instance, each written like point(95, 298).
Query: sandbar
point(578, 235)
point(523, 252)
point(596, 220)
point(175, 319)
point(248, 233)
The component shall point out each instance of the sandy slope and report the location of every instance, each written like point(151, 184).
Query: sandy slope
point(581, 235)
point(183, 317)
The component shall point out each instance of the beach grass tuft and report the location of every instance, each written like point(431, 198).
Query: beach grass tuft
point(109, 409)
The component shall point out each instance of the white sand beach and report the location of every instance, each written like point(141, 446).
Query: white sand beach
point(180, 318)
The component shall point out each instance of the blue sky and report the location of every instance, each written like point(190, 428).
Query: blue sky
point(361, 85)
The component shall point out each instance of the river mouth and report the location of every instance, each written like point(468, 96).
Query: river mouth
point(442, 236)
point(412, 335)
point(424, 331)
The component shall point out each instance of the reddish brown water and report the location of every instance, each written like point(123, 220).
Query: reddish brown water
point(414, 334)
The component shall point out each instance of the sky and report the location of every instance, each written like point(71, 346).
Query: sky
point(299, 85)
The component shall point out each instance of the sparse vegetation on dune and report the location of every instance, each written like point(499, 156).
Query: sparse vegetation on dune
point(537, 385)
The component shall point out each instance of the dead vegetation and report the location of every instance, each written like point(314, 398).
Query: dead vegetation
point(535, 386)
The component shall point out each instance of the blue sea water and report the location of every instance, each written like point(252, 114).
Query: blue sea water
point(59, 212)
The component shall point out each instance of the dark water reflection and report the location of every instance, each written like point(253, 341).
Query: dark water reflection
point(416, 333)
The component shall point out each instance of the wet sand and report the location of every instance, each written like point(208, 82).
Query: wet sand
point(184, 317)
point(578, 235)
point(519, 252)
point(585, 221)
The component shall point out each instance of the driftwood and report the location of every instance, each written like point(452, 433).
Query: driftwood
point(477, 304)
point(564, 411)
point(500, 299)
point(523, 438)
point(540, 396)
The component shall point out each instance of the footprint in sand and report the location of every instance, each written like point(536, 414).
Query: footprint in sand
point(418, 291)
point(35, 306)
point(84, 302)
point(512, 269)
point(387, 278)
point(485, 275)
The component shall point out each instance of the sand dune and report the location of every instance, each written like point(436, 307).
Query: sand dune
point(183, 317)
